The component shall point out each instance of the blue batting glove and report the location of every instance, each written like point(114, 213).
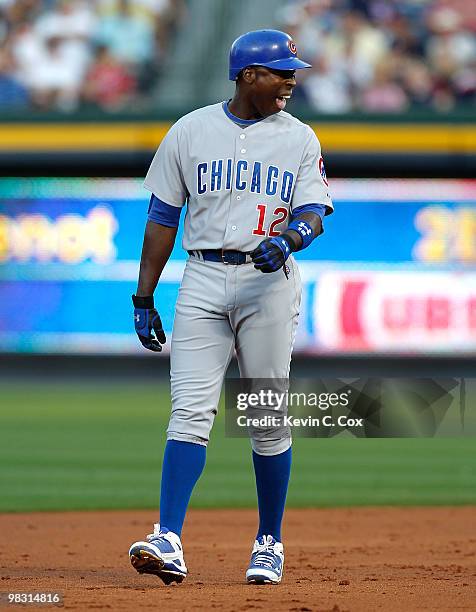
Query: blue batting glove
point(146, 321)
point(271, 254)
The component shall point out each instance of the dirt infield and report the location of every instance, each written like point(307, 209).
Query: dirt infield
point(346, 559)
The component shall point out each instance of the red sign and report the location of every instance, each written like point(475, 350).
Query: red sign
point(409, 312)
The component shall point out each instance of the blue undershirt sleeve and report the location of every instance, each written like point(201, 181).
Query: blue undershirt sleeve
point(318, 209)
point(162, 213)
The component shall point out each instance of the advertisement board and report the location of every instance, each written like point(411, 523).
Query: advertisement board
point(394, 271)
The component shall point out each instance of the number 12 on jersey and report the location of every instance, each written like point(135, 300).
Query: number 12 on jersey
point(280, 213)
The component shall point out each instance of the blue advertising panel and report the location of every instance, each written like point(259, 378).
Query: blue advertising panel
point(70, 250)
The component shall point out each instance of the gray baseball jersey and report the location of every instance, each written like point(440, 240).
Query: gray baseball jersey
point(240, 184)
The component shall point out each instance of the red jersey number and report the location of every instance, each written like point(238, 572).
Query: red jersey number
point(281, 215)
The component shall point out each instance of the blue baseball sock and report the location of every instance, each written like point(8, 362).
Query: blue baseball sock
point(272, 478)
point(182, 467)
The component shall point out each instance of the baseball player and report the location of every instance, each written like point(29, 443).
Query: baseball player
point(253, 180)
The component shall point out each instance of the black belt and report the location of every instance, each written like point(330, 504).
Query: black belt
point(234, 258)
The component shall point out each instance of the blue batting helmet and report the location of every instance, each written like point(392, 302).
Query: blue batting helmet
point(269, 48)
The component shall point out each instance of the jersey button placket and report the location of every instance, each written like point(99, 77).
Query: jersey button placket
point(242, 152)
point(231, 226)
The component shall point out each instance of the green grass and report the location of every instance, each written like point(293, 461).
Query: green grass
point(86, 446)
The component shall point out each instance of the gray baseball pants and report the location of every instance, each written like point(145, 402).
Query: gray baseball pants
point(220, 309)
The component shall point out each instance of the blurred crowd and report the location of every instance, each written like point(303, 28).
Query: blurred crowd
point(367, 55)
point(66, 54)
point(384, 55)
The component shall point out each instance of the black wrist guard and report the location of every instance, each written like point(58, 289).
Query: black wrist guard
point(293, 243)
point(143, 301)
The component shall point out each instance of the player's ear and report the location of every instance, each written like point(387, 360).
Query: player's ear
point(248, 75)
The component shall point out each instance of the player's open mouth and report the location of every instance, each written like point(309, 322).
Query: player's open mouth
point(281, 101)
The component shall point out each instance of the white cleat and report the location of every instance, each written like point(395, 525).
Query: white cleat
point(267, 561)
point(161, 554)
